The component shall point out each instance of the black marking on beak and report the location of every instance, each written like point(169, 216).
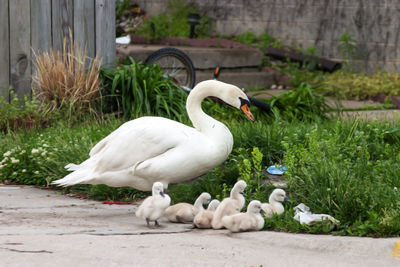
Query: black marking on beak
point(162, 193)
point(245, 107)
point(286, 199)
point(244, 102)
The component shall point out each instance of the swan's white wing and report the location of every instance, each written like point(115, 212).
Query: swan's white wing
point(137, 141)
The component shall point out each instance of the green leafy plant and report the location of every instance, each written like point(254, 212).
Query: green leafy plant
point(347, 47)
point(27, 114)
point(363, 86)
point(302, 103)
point(143, 90)
point(251, 170)
point(173, 22)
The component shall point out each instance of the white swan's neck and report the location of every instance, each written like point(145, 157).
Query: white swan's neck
point(198, 204)
point(239, 197)
point(201, 121)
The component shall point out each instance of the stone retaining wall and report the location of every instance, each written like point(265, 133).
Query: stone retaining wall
point(374, 24)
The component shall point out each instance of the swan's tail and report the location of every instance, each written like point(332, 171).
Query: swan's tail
point(79, 176)
point(71, 167)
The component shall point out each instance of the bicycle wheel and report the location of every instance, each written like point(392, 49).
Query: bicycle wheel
point(175, 64)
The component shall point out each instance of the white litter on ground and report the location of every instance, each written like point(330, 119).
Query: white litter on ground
point(123, 40)
point(303, 214)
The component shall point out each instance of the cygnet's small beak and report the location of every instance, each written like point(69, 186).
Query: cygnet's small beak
point(162, 193)
point(286, 199)
point(245, 108)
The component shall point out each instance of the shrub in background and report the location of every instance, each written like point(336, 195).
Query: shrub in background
point(363, 86)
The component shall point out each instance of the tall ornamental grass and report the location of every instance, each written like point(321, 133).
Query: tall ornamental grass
point(67, 78)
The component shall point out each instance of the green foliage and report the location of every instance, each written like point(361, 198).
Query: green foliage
point(300, 73)
point(262, 41)
point(346, 169)
point(301, 103)
point(347, 46)
point(363, 86)
point(252, 172)
point(350, 172)
point(122, 8)
point(15, 114)
point(37, 158)
point(143, 90)
point(173, 22)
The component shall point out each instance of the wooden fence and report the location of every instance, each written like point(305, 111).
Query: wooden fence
point(38, 25)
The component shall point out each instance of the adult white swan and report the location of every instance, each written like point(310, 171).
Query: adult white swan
point(149, 149)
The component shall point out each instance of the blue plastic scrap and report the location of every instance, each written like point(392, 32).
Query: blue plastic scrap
point(276, 170)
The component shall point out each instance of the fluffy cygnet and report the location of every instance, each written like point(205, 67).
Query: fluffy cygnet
point(153, 207)
point(185, 212)
point(248, 221)
point(275, 203)
point(230, 205)
point(203, 218)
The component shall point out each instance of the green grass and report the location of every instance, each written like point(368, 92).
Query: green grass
point(38, 157)
point(348, 169)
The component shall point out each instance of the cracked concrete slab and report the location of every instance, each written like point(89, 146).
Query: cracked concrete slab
point(43, 228)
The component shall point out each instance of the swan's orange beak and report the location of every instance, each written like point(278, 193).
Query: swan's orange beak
point(245, 108)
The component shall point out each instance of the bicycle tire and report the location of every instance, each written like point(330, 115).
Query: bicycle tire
point(165, 57)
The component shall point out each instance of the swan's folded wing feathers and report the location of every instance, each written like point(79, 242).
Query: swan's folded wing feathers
point(118, 151)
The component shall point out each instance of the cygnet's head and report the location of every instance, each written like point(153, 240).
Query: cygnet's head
point(205, 197)
point(228, 93)
point(213, 204)
point(278, 195)
point(254, 206)
point(158, 189)
point(239, 187)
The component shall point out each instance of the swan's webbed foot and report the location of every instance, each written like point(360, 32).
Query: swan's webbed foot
point(156, 224)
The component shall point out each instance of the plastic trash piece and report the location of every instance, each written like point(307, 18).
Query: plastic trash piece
point(276, 170)
point(123, 40)
point(303, 214)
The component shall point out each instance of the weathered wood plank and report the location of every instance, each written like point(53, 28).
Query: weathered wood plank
point(4, 50)
point(84, 29)
point(20, 54)
point(41, 25)
point(62, 18)
point(105, 31)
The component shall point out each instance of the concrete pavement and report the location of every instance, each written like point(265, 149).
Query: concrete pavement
point(44, 228)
